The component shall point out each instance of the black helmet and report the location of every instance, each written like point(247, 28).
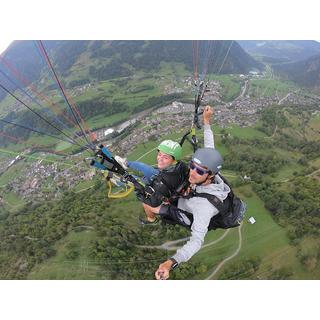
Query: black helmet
point(209, 158)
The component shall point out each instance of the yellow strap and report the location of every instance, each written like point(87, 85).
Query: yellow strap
point(120, 194)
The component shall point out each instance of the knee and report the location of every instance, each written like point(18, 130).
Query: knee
point(151, 209)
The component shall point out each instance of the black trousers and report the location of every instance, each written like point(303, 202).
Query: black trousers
point(173, 215)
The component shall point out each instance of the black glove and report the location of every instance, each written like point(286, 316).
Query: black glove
point(148, 191)
point(139, 194)
point(143, 194)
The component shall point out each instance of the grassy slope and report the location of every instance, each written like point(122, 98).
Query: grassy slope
point(230, 86)
point(265, 238)
point(83, 267)
point(313, 128)
point(243, 133)
point(270, 87)
point(11, 173)
point(62, 267)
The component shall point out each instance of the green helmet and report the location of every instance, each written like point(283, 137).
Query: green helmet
point(172, 148)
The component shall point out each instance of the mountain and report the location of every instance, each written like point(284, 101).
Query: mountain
point(305, 73)
point(23, 63)
point(23, 58)
point(79, 62)
point(281, 51)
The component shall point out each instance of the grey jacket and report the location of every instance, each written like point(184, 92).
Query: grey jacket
point(201, 209)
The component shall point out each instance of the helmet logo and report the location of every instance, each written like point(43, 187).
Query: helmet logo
point(170, 144)
point(196, 160)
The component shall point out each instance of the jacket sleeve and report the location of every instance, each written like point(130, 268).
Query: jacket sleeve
point(202, 216)
point(208, 137)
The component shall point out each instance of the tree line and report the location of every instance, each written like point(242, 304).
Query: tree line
point(28, 236)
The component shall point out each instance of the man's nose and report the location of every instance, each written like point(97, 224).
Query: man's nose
point(192, 173)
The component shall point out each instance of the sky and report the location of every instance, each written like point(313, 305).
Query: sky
point(4, 44)
point(165, 19)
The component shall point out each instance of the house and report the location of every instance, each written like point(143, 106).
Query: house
point(108, 131)
point(252, 220)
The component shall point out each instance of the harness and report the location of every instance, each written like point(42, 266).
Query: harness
point(167, 185)
point(230, 210)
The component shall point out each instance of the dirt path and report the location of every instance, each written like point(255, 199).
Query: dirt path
point(284, 98)
point(274, 132)
point(221, 264)
point(84, 189)
point(312, 173)
point(170, 245)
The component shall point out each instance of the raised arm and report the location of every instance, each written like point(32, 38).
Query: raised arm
point(208, 134)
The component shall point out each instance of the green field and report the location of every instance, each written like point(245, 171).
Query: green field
point(315, 163)
point(62, 266)
point(313, 128)
point(265, 239)
point(83, 186)
point(82, 266)
point(231, 86)
point(11, 173)
point(12, 201)
point(171, 70)
point(61, 146)
point(270, 87)
point(132, 92)
point(243, 133)
point(39, 141)
point(102, 121)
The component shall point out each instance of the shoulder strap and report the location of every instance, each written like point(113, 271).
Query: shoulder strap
point(215, 201)
point(222, 206)
point(231, 194)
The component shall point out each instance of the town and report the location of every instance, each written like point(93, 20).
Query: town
point(40, 180)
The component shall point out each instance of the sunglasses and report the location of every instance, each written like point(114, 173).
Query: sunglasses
point(199, 170)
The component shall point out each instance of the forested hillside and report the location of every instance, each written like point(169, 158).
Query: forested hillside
point(87, 61)
point(305, 73)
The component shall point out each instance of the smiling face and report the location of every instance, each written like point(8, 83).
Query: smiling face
point(164, 160)
point(197, 174)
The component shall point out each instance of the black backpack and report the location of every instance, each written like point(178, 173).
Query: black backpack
point(231, 210)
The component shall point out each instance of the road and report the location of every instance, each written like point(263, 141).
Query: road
point(284, 98)
point(308, 175)
point(221, 264)
point(171, 245)
point(244, 89)
point(312, 173)
point(274, 132)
